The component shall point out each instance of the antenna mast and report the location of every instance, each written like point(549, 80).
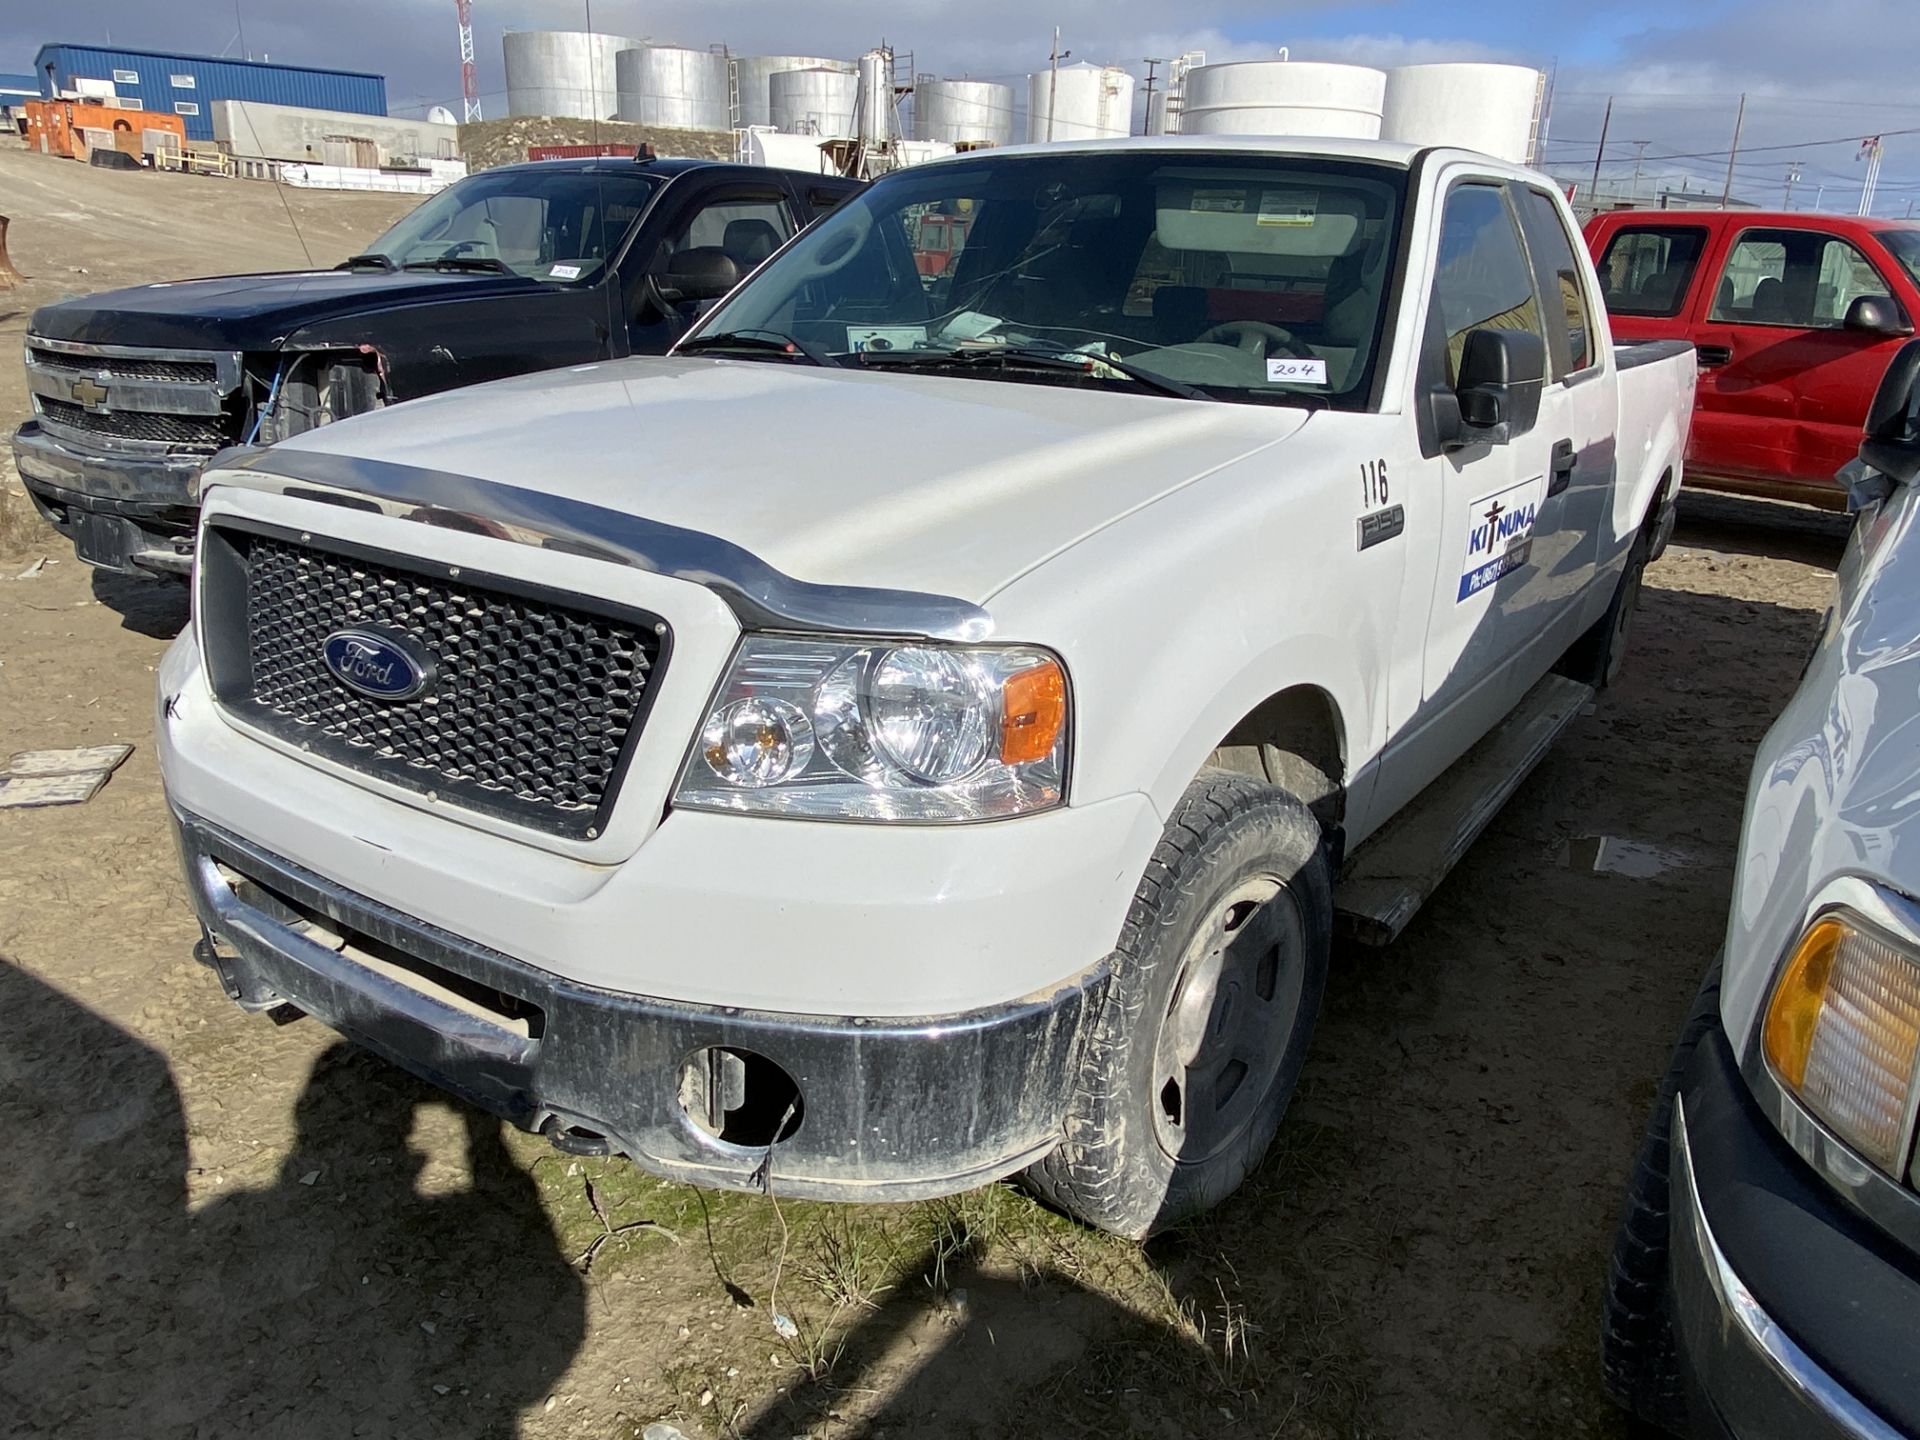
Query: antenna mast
point(469, 87)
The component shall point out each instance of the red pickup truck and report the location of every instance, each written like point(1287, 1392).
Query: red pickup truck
point(1794, 316)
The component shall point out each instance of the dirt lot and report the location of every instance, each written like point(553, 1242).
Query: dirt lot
point(215, 1227)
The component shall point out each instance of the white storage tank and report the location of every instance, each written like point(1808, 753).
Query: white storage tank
point(963, 112)
point(752, 82)
point(814, 102)
point(681, 89)
point(569, 73)
point(1090, 102)
point(1283, 97)
point(1494, 109)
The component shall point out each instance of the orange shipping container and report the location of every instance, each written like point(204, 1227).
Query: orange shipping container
point(55, 127)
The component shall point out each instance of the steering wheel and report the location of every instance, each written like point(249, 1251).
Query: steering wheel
point(1252, 336)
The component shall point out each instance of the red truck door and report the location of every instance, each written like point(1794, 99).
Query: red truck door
point(1784, 381)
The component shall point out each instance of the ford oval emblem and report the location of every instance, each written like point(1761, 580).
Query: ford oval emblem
point(377, 663)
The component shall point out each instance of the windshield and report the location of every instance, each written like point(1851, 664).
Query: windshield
point(1905, 245)
point(1244, 277)
point(558, 225)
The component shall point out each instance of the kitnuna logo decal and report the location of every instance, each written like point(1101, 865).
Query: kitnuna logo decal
point(1499, 536)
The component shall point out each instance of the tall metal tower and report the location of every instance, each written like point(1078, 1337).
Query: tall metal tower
point(469, 88)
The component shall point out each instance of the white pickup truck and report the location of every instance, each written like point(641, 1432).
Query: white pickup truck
point(925, 729)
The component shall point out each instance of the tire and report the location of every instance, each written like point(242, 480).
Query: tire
point(1597, 657)
point(1216, 982)
point(1638, 1365)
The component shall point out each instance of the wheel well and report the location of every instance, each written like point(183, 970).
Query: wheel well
point(1294, 740)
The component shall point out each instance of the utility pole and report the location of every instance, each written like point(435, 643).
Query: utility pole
point(1639, 156)
point(1146, 115)
point(1593, 191)
point(1739, 119)
point(1053, 83)
point(1793, 174)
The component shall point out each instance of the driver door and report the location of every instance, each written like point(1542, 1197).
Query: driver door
point(1494, 533)
point(745, 222)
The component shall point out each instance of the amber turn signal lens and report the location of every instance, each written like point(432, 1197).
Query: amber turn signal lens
point(1033, 708)
point(1796, 1003)
point(1843, 1033)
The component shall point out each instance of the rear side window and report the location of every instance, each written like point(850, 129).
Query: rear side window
point(1799, 279)
point(1648, 270)
point(1483, 281)
point(1557, 273)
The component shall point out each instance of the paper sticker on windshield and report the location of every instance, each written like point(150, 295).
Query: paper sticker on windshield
point(1499, 535)
point(1288, 207)
point(885, 337)
point(1296, 370)
point(1218, 202)
point(564, 272)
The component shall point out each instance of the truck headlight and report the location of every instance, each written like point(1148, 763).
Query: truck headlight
point(852, 730)
point(1842, 1032)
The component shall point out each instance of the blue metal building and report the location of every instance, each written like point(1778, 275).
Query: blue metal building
point(189, 84)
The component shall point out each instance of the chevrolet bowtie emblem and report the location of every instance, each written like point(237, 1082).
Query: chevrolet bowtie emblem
point(89, 392)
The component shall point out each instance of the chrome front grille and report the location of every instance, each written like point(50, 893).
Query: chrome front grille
point(534, 703)
point(122, 397)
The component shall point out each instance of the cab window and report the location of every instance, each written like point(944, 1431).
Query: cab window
point(1798, 279)
point(1557, 275)
point(1483, 280)
point(1648, 270)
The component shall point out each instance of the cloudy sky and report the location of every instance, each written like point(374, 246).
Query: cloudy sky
point(1817, 75)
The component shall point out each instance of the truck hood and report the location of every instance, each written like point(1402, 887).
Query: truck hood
point(946, 485)
point(253, 312)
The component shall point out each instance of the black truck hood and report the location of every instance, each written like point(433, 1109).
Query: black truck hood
point(255, 312)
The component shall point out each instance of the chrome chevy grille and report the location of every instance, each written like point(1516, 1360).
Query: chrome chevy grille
point(534, 700)
point(134, 398)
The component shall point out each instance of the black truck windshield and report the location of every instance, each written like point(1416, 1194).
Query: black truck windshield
point(1231, 276)
point(558, 225)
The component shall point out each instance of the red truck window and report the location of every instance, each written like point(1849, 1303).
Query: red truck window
point(1648, 270)
point(1794, 278)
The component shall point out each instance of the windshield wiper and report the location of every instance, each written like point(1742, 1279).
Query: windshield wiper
point(1075, 362)
point(757, 342)
point(372, 257)
point(461, 262)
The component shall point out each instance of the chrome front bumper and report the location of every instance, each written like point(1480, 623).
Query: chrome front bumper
point(889, 1109)
point(1748, 1377)
point(128, 512)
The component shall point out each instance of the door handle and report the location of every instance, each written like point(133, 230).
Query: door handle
point(1713, 354)
point(1560, 472)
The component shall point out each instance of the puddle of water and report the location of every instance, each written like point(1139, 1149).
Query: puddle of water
point(1610, 855)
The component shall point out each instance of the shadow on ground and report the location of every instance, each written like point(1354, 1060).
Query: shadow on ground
point(335, 1301)
point(155, 608)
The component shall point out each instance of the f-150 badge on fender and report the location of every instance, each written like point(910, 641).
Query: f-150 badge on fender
point(1499, 536)
point(376, 664)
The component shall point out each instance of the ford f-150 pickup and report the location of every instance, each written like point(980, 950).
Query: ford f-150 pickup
point(520, 268)
point(928, 727)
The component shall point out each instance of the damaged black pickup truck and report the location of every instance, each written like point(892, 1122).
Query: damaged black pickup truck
point(520, 268)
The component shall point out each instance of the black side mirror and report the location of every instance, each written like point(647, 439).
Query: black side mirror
point(1892, 442)
point(705, 272)
point(1497, 398)
point(1877, 315)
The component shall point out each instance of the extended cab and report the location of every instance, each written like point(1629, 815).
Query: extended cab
point(914, 733)
point(1794, 317)
point(525, 267)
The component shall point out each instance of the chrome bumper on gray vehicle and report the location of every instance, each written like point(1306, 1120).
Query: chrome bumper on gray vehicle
point(128, 512)
point(870, 1109)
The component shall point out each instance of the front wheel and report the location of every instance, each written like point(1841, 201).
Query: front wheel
point(1199, 1040)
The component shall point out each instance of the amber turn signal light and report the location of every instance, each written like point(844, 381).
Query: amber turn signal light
point(1033, 708)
